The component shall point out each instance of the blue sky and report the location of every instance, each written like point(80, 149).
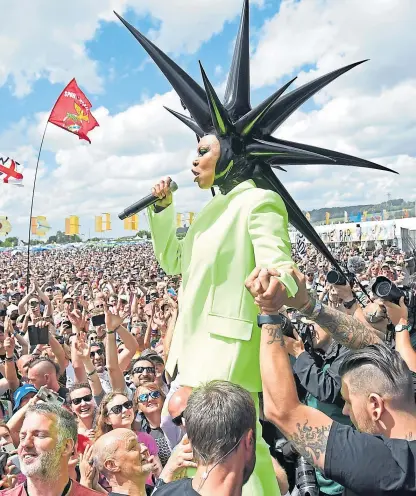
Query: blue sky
point(128, 73)
point(127, 91)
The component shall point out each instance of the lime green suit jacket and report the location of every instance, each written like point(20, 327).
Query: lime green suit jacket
point(216, 335)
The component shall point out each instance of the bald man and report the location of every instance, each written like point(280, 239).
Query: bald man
point(124, 462)
point(44, 372)
point(10, 368)
point(173, 408)
point(177, 404)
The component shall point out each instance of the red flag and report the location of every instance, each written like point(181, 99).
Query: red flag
point(72, 112)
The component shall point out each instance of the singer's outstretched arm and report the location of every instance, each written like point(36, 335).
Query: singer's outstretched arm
point(168, 249)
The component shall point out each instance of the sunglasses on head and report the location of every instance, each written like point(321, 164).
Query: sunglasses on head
point(178, 420)
point(117, 409)
point(86, 399)
point(98, 352)
point(144, 397)
point(140, 370)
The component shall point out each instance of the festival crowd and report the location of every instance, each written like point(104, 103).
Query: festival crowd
point(87, 406)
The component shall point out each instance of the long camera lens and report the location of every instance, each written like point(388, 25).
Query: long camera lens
point(306, 481)
point(335, 277)
point(386, 290)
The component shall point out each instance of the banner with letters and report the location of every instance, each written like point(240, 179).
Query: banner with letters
point(353, 233)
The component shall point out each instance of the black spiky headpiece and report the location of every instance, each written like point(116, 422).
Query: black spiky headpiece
point(248, 149)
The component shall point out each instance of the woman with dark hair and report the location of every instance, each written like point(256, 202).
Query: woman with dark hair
point(84, 408)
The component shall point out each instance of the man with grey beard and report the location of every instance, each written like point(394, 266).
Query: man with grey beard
point(47, 441)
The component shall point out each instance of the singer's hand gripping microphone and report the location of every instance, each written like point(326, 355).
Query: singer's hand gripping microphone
point(144, 203)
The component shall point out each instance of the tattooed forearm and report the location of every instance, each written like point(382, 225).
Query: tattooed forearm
point(345, 329)
point(275, 333)
point(310, 442)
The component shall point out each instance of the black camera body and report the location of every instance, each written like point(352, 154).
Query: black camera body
point(304, 330)
point(386, 290)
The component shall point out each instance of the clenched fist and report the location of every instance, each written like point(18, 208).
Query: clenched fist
point(162, 191)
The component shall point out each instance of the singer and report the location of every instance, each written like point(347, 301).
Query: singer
point(244, 226)
point(216, 335)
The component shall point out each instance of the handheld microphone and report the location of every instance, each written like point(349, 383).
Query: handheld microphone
point(143, 203)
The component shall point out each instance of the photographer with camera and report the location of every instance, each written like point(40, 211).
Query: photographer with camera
point(396, 303)
point(318, 358)
point(378, 458)
point(397, 316)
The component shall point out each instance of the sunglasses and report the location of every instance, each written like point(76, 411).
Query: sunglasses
point(178, 420)
point(140, 370)
point(85, 399)
point(34, 304)
point(98, 352)
point(144, 397)
point(117, 409)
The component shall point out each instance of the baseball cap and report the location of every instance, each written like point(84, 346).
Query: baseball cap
point(20, 393)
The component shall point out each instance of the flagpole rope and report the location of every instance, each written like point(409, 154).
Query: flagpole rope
point(31, 210)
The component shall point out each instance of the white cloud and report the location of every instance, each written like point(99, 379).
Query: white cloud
point(186, 24)
point(327, 35)
point(44, 39)
point(130, 151)
point(369, 113)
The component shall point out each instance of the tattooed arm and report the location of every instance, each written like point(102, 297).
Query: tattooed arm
point(344, 328)
point(307, 428)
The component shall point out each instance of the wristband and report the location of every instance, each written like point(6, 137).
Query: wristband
point(269, 319)
point(111, 332)
point(312, 309)
point(89, 374)
point(9, 359)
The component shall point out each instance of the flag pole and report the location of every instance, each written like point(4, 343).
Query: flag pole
point(31, 210)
